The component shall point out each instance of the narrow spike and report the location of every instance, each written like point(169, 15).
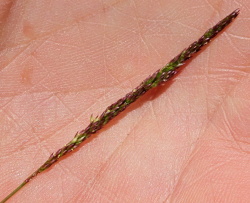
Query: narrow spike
point(159, 77)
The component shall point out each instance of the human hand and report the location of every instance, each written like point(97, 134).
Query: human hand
point(184, 142)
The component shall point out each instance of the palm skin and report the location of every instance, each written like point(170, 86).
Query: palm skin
point(186, 141)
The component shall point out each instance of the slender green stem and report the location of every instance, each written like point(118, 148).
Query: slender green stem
point(157, 78)
point(13, 192)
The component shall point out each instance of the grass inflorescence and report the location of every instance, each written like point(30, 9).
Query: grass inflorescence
point(160, 76)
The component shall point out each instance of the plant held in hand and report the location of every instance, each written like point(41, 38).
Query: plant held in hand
point(157, 78)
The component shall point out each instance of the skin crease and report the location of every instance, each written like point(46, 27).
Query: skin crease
point(61, 61)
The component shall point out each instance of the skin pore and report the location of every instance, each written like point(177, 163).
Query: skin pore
point(186, 141)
